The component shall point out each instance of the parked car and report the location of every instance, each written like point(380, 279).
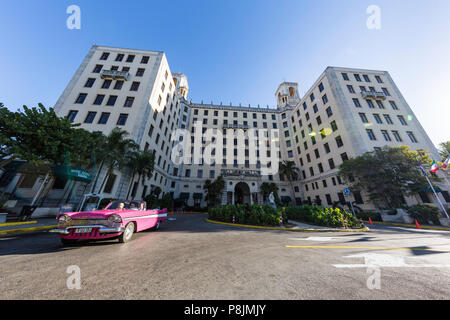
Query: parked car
point(120, 219)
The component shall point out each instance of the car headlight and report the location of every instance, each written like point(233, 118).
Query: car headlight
point(64, 218)
point(114, 218)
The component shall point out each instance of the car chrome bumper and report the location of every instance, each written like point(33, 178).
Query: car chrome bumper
point(102, 229)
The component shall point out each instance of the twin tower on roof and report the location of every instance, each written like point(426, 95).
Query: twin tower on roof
point(287, 95)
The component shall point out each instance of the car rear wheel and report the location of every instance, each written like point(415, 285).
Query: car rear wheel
point(156, 227)
point(68, 242)
point(127, 234)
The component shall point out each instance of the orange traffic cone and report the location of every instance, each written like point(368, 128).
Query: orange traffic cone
point(370, 221)
point(418, 225)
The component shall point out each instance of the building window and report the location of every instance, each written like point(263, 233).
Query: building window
point(140, 72)
point(370, 134)
point(331, 163)
point(356, 103)
point(363, 117)
point(81, 98)
point(357, 77)
point(129, 102)
point(99, 99)
point(118, 85)
point(334, 126)
point(97, 68)
point(344, 156)
point(393, 105)
point(366, 78)
point(111, 101)
point(130, 58)
point(386, 92)
point(90, 117)
point(370, 104)
point(327, 148)
point(411, 136)
point(358, 198)
point(110, 183)
point(135, 86)
point(350, 89)
point(377, 118)
point(380, 104)
point(89, 83)
point(388, 119)
point(397, 136)
point(119, 57)
point(325, 99)
point(104, 118)
point(378, 79)
point(145, 59)
point(72, 114)
point(122, 119)
point(402, 120)
point(345, 76)
point(339, 141)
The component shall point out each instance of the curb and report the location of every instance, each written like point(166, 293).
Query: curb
point(286, 229)
point(7, 224)
point(408, 225)
point(24, 230)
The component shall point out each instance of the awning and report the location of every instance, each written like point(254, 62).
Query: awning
point(198, 196)
point(184, 196)
point(71, 173)
point(428, 189)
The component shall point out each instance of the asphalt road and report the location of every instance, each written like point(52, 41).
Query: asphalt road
point(192, 259)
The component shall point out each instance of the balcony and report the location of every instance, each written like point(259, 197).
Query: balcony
point(236, 126)
point(238, 173)
point(115, 75)
point(373, 95)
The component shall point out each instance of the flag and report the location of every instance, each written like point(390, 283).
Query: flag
point(421, 168)
point(445, 164)
point(434, 167)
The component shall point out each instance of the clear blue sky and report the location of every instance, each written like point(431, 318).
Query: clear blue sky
point(235, 51)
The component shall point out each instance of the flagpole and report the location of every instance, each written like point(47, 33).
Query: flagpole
point(434, 191)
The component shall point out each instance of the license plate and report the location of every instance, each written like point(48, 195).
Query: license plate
point(83, 230)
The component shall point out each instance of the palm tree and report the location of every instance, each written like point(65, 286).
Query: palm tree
point(141, 163)
point(214, 190)
point(291, 172)
point(115, 150)
point(267, 188)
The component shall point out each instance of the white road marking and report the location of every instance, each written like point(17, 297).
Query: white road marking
point(385, 260)
point(314, 239)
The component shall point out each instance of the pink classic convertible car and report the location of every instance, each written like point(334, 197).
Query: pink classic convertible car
point(120, 219)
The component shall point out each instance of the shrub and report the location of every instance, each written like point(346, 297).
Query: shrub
point(266, 215)
point(424, 213)
point(374, 216)
point(328, 217)
point(247, 214)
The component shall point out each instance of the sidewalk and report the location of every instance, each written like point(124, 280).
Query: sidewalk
point(34, 225)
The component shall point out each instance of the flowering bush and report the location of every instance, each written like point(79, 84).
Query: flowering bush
point(268, 216)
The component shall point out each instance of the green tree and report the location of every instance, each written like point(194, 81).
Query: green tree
point(267, 188)
point(444, 149)
point(116, 148)
point(142, 164)
point(386, 175)
point(291, 172)
point(214, 190)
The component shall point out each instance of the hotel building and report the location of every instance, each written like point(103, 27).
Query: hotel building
point(345, 113)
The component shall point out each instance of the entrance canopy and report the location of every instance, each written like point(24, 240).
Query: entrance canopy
point(71, 173)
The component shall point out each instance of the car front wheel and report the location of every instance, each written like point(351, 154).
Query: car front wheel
point(127, 234)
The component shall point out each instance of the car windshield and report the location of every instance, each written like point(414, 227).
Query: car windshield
point(127, 205)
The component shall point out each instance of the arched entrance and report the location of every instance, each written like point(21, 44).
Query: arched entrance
point(242, 193)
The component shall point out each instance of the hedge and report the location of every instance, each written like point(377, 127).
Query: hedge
point(267, 216)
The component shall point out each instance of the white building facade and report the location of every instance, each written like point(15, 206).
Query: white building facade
point(345, 113)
